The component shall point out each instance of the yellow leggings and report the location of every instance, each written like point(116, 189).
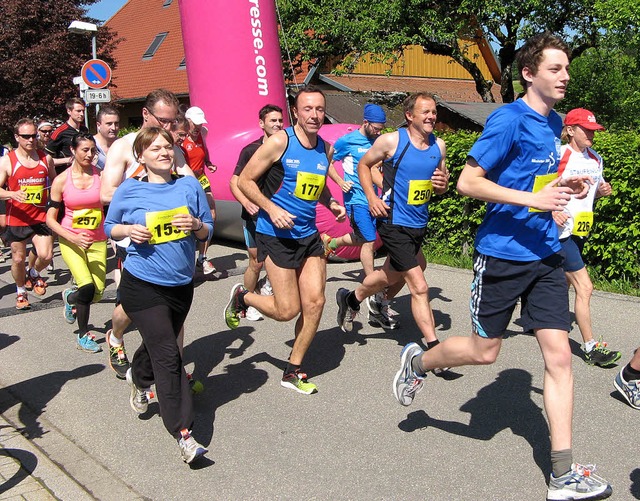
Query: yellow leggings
point(87, 266)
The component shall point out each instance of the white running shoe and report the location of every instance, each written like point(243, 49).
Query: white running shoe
point(253, 314)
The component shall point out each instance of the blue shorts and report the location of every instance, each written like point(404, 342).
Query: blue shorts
point(362, 222)
point(250, 234)
point(572, 247)
point(498, 283)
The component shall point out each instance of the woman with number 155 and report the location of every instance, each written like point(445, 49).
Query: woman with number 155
point(83, 243)
point(164, 216)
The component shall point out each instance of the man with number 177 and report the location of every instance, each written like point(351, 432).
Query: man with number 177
point(286, 234)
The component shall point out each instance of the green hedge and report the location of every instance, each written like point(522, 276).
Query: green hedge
point(613, 249)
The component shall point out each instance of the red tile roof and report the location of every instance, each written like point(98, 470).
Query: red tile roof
point(138, 22)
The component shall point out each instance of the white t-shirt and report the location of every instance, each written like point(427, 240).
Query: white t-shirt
point(577, 163)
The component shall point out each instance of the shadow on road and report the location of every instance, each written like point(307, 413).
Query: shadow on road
point(504, 404)
point(7, 340)
point(635, 483)
point(207, 353)
point(34, 394)
point(28, 463)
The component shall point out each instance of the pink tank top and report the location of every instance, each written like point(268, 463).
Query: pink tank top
point(82, 208)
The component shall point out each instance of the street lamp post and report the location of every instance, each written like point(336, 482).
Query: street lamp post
point(82, 28)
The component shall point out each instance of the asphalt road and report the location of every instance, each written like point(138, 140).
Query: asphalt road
point(480, 435)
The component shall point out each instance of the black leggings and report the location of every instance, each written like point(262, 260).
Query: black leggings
point(158, 359)
point(82, 299)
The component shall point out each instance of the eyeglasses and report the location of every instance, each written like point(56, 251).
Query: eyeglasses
point(48, 131)
point(163, 121)
point(28, 136)
point(181, 135)
point(377, 130)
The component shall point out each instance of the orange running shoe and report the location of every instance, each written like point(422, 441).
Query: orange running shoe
point(40, 287)
point(22, 301)
point(326, 240)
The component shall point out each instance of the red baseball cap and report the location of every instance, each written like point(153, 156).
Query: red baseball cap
point(583, 118)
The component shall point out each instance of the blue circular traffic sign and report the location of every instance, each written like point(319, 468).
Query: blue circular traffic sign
point(96, 73)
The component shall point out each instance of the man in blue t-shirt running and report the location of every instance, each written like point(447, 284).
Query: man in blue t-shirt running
point(513, 167)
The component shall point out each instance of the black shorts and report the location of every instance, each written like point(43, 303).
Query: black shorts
point(22, 233)
point(286, 252)
point(402, 244)
point(138, 295)
point(121, 256)
point(498, 283)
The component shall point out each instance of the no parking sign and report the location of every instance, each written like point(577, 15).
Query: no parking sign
point(96, 73)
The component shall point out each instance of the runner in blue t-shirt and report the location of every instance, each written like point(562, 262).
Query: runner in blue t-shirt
point(513, 166)
point(413, 171)
point(286, 235)
point(350, 149)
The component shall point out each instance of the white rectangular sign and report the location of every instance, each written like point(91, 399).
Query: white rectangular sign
point(97, 96)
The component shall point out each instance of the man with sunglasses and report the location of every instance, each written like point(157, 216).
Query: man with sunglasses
point(25, 175)
point(160, 110)
point(59, 146)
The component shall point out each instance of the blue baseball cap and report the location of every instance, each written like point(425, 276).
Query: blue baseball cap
point(374, 113)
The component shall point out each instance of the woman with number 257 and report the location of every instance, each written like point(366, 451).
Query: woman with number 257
point(83, 244)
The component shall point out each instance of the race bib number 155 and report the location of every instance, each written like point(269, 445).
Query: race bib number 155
point(159, 224)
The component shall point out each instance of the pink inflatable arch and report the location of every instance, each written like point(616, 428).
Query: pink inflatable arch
point(234, 68)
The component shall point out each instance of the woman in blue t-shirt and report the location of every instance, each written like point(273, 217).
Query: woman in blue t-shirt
point(164, 217)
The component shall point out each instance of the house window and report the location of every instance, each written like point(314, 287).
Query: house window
point(159, 38)
point(166, 3)
point(183, 64)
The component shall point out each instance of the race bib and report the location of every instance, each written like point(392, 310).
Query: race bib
point(582, 223)
point(309, 186)
point(539, 183)
point(86, 219)
point(159, 224)
point(420, 191)
point(34, 194)
point(204, 181)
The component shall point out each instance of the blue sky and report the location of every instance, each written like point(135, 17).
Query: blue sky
point(104, 9)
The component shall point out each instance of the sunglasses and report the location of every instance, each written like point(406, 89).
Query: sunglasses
point(48, 131)
point(28, 136)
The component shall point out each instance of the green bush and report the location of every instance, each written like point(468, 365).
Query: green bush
point(614, 244)
point(455, 219)
point(613, 248)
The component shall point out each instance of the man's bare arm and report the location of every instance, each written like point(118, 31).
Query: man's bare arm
point(119, 157)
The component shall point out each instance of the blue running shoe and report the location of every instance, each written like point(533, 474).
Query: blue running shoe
point(69, 310)
point(88, 343)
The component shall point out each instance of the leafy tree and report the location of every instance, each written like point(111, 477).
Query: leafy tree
point(344, 30)
point(39, 57)
point(605, 81)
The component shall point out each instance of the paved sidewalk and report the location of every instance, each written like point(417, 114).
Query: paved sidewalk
point(478, 436)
